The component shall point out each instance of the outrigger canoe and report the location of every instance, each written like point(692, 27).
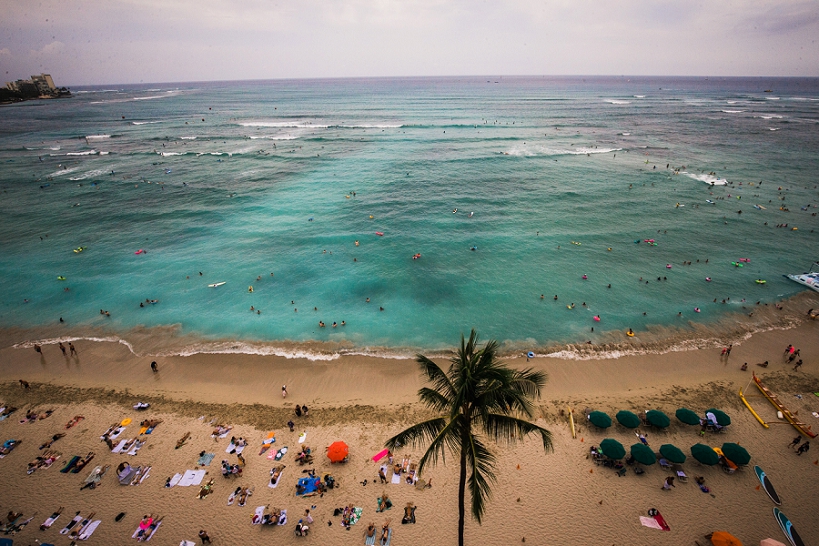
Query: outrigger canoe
point(798, 425)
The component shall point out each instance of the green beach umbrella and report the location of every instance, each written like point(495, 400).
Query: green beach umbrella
point(704, 454)
point(672, 453)
point(687, 416)
point(643, 454)
point(628, 419)
point(600, 419)
point(722, 419)
point(613, 449)
point(657, 418)
point(735, 453)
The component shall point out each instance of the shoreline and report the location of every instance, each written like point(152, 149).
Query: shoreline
point(167, 341)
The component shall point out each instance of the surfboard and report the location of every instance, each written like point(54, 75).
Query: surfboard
point(787, 528)
point(767, 485)
point(281, 453)
point(216, 284)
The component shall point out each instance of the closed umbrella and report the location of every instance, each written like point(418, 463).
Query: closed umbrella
point(337, 452)
point(721, 538)
point(628, 419)
point(735, 453)
point(643, 454)
point(613, 449)
point(672, 453)
point(722, 419)
point(687, 416)
point(704, 454)
point(657, 418)
point(600, 419)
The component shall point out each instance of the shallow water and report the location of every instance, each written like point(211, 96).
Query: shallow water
point(284, 177)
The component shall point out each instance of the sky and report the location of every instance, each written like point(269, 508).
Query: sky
point(97, 42)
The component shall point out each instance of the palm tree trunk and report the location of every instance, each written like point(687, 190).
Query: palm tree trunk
point(462, 490)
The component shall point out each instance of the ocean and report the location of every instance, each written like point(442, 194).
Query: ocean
point(406, 211)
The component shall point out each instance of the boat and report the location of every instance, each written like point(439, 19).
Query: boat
point(801, 427)
point(755, 414)
point(809, 279)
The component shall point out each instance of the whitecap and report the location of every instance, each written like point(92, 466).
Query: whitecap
point(542, 150)
point(274, 137)
point(615, 101)
point(188, 138)
point(732, 111)
point(166, 154)
point(89, 174)
point(97, 137)
point(625, 134)
point(769, 116)
point(286, 124)
point(639, 96)
point(146, 122)
point(89, 152)
point(772, 129)
point(709, 179)
point(772, 98)
point(55, 148)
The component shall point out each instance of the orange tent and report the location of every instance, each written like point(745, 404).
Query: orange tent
point(721, 538)
point(337, 452)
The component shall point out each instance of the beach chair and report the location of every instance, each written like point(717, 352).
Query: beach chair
point(621, 472)
point(639, 470)
point(681, 476)
point(664, 463)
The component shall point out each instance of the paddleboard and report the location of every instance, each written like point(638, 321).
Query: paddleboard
point(216, 284)
point(787, 528)
point(280, 453)
point(767, 485)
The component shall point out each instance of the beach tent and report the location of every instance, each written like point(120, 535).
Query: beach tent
point(627, 419)
point(687, 416)
point(735, 453)
point(613, 449)
point(643, 454)
point(722, 419)
point(337, 452)
point(599, 419)
point(657, 418)
point(721, 538)
point(704, 454)
point(672, 453)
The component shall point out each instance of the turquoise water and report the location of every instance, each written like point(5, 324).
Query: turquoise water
point(243, 179)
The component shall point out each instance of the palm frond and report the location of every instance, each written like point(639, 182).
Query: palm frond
point(435, 400)
point(439, 379)
point(508, 430)
point(448, 438)
point(416, 434)
point(480, 464)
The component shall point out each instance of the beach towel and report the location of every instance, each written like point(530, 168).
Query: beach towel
point(648, 521)
point(71, 524)
point(136, 533)
point(8, 542)
point(370, 541)
point(70, 464)
point(274, 485)
point(380, 455)
point(175, 480)
point(127, 475)
point(283, 517)
point(223, 435)
point(302, 437)
point(389, 538)
point(192, 477)
point(113, 435)
point(119, 446)
point(232, 498)
point(356, 515)
point(187, 543)
point(95, 476)
point(136, 447)
point(239, 449)
point(205, 459)
point(89, 529)
point(258, 514)
point(396, 478)
point(310, 486)
point(49, 522)
point(230, 448)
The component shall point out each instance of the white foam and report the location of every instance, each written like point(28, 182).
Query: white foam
point(772, 129)
point(772, 98)
point(275, 137)
point(626, 134)
point(615, 101)
point(769, 116)
point(639, 96)
point(732, 111)
point(146, 122)
point(167, 154)
point(188, 138)
point(89, 174)
point(542, 150)
point(89, 152)
point(285, 124)
point(709, 179)
point(97, 137)
point(55, 148)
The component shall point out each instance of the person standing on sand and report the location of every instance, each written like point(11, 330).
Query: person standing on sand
point(795, 442)
point(284, 391)
point(38, 348)
point(669, 483)
point(72, 349)
point(153, 367)
point(62, 348)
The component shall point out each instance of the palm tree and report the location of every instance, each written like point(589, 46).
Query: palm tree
point(478, 396)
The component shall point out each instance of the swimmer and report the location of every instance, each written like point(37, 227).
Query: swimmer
point(555, 297)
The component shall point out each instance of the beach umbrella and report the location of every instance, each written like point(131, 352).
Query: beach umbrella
point(643, 454)
point(613, 449)
point(672, 453)
point(721, 538)
point(687, 416)
point(337, 452)
point(704, 454)
point(722, 419)
point(600, 419)
point(657, 418)
point(628, 419)
point(735, 453)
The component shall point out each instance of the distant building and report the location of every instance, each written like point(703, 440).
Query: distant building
point(41, 86)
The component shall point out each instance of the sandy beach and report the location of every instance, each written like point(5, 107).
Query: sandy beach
point(560, 497)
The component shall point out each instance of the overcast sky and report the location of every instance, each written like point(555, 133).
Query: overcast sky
point(130, 41)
